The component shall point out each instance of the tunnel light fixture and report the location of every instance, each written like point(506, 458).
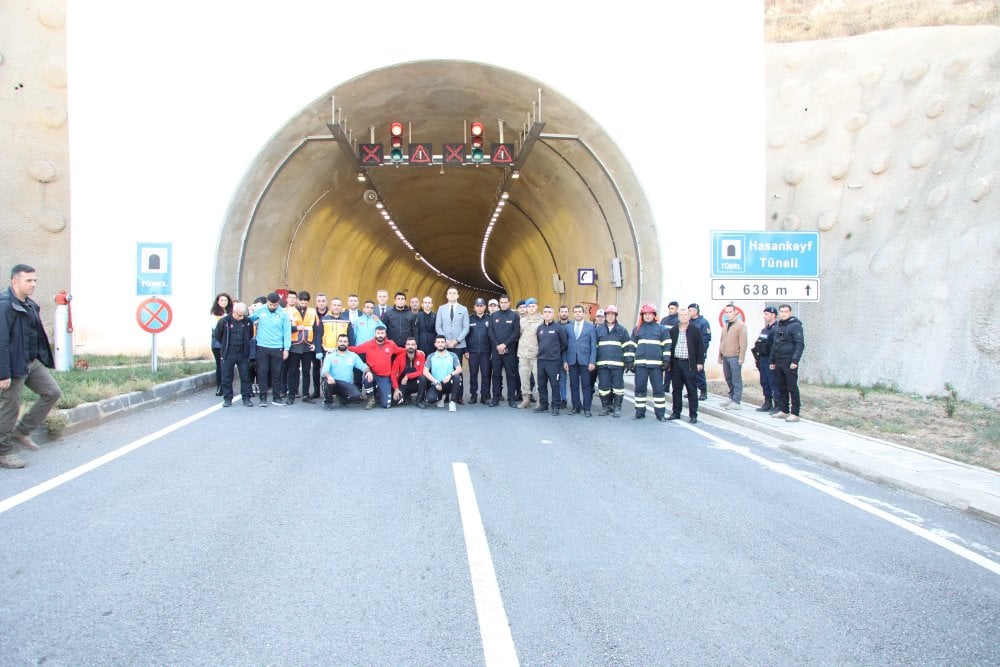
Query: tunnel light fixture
point(515, 174)
point(361, 177)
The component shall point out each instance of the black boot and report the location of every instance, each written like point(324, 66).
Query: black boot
point(617, 405)
point(605, 406)
point(766, 407)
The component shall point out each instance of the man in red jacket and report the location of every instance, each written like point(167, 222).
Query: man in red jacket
point(408, 374)
point(378, 354)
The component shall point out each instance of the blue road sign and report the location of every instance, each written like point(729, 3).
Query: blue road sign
point(765, 254)
point(153, 269)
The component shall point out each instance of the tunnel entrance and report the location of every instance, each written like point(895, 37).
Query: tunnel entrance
point(305, 217)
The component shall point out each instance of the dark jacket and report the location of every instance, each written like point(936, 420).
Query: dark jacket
point(762, 346)
point(551, 341)
point(426, 331)
point(704, 327)
point(224, 329)
point(478, 339)
point(505, 327)
point(788, 341)
point(16, 322)
point(400, 325)
point(670, 320)
point(697, 350)
point(651, 345)
point(614, 346)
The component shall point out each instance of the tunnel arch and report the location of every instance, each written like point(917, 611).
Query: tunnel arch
point(299, 218)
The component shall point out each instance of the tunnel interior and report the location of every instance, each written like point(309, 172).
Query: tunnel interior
point(301, 219)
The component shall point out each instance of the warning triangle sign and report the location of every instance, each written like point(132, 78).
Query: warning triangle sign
point(502, 154)
point(420, 154)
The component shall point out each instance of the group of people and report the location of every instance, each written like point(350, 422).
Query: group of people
point(410, 352)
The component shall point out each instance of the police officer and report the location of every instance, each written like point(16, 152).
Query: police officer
point(504, 331)
point(480, 356)
point(762, 355)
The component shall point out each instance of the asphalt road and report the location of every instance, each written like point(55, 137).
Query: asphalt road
point(297, 536)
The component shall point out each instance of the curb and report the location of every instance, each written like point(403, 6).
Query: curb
point(89, 415)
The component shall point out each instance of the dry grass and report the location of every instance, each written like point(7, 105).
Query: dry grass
point(802, 20)
point(972, 435)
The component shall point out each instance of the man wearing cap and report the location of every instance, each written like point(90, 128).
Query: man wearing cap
point(579, 359)
point(274, 338)
point(492, 306)
point(702, 325)
point(762, 354)
point(378, 354)
point(614, 351)
point(732, 353)
point(527, 352)
point(480, 358)
point(505, 330)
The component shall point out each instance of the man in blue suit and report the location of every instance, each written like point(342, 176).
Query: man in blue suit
point(579, 360)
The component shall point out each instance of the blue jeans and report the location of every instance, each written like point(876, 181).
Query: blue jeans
point(733, 371)
point(384, 385)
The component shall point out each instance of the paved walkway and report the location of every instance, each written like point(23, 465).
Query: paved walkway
point(966, 487)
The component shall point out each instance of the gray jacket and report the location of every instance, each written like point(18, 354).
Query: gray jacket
point(456, 328)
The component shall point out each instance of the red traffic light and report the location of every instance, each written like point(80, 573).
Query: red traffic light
point(476, 129)
point(396, 129)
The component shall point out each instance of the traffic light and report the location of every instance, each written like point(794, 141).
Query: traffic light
point(396, 142)
point(477, 141)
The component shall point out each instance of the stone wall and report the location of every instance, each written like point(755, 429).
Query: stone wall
point(889, 144)
point(34, 145)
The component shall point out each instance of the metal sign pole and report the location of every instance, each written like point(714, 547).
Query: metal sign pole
point(153, 355)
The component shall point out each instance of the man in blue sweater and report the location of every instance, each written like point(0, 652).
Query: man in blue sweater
point(274, 338)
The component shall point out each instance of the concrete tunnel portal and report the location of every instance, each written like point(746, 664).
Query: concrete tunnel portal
point(300, 217)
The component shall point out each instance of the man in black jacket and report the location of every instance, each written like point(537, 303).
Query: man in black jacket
point(762, 354)
point(687, 359)
point(786, 351)
point(400, 322)
point(505, 330)
point(25, 357)
point(552, 342)
point(234, 333)
point(480, 357)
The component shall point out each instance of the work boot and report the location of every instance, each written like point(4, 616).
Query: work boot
point(605, 406)
point(370, 403)
point(618, 405)
point(24, 439)
point(541, 408)
point(640, 414)
point(11, 461)
point(766, 407)
point(227, 402)
point(248, 402)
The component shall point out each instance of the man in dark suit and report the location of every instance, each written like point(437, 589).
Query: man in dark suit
point(579, 360)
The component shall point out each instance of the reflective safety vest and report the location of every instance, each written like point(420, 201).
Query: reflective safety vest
point(333, 328)
point(309, 319)
point(614, 347)
point(651, 342)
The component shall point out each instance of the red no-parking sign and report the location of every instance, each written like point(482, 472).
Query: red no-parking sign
point(740, 315)
point(154, 315)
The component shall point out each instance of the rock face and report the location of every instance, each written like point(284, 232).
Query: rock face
point(893, 153)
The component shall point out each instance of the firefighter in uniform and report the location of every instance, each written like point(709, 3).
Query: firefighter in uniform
point(651, 343)
point(614, 352)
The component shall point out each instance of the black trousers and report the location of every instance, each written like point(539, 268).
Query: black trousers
point(306, 362)
point(505, 364)
point(269, 371)
point(451, 389)
point(547, 373)
point(682, 375)
point(653, 375)
point(347, 392)
point(416, 387)
point(480, 374)
point(229, 363)
point(317, 366)
point(786, 379)
point(610, 379)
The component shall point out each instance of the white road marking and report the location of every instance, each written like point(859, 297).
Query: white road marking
point(498, 644)
point(788, 471)
point(39, 489)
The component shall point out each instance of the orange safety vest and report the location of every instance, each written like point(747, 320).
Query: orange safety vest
point(298, 319)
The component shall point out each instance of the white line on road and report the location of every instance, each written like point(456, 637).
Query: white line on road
point(788, 471)
point(39, 489)
point(498, 644)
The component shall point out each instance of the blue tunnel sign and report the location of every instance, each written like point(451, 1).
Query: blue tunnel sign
point(765, 254)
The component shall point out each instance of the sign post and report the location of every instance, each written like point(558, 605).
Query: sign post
point(154, 315)
point(765, 265)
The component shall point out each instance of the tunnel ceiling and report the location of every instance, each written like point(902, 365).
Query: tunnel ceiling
point(299, 218)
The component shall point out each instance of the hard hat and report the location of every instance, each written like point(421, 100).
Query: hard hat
point(648, 308)
point(611, 309)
